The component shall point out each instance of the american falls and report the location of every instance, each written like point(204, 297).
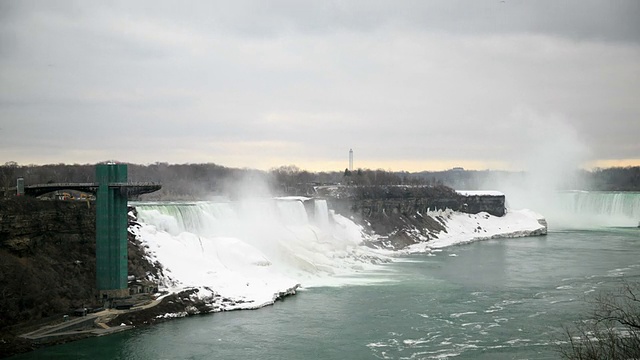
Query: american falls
point(253, 251)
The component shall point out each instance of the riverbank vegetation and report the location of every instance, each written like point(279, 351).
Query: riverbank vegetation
point(612, 330)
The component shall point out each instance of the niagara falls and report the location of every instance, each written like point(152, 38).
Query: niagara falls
point(353, 179)
point(318, 282)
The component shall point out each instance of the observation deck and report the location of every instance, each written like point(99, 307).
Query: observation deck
point(125, 188)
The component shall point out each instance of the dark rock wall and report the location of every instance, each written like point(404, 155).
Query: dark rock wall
point(492, 204)
point(369, 200)
point(47, 259)
point(401, 218)
point(26, 224)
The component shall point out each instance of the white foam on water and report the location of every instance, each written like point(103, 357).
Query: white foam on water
point(457, 315)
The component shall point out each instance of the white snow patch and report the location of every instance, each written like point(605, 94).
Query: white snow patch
point(479, 192)
point(464, 228)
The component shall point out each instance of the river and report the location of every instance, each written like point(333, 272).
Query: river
point(495, 299)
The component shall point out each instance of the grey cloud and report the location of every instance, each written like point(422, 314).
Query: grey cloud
point(578, 19)
point(395, 80)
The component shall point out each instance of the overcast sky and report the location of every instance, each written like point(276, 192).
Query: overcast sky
point(409, 85)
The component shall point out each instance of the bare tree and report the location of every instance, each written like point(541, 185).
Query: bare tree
point(8, 174)
point(612, 332)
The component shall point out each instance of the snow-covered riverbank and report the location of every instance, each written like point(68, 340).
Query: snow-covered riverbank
point(463, 228)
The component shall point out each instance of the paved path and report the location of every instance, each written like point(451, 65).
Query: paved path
point(91, 324)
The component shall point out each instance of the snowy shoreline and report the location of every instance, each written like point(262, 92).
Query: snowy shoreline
point(251, 255)
point(464, 228)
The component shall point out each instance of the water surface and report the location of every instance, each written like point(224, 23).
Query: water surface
point(497, 299)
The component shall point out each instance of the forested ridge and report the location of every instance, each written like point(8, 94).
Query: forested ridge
point(197, 181)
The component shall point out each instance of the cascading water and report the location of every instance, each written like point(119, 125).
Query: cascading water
point(292, 212)
point(253, 249)
point(599, 209)
point(321, 213)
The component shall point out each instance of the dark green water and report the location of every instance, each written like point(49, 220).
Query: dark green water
point(498, 299)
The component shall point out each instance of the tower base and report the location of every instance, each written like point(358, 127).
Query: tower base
point(113, 294)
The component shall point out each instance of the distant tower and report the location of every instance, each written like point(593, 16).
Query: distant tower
point(350, 159)
point(20, 186)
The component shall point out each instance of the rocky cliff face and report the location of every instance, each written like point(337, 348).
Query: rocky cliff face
point(47, 258)
point(410, 199)
point(399, 214)
point(492, 204)
point(27, 224)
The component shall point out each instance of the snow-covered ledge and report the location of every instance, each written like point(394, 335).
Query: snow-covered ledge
point(465, 228)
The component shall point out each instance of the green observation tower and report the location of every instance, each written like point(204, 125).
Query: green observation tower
point(113, 191)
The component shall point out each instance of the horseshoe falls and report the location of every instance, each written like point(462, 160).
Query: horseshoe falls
point(595, 209)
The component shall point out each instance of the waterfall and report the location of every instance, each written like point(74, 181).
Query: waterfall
point(195, 217)
point(321, 213)
point(598, 208)
point(292, 212)
point(203, 243)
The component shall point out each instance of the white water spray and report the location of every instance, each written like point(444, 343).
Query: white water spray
point(254, 249)
point(550, 151)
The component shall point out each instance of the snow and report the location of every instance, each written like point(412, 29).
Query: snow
point(249, 254)
point(464, 228)
point(232, 267)
point(479, 192)
point(293, 198)
point(252, 253)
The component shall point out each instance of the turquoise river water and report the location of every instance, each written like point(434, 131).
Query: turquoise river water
point(496, 299)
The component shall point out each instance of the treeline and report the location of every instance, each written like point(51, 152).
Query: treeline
point(617, 178)
point(200, 181)
point(610, 179)
point(179, 181)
